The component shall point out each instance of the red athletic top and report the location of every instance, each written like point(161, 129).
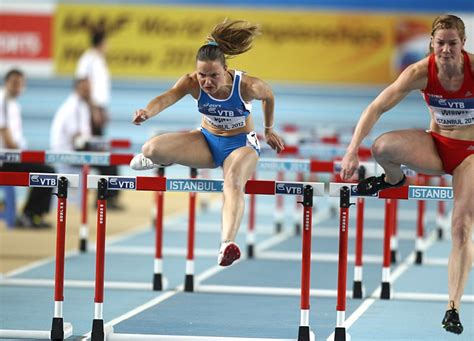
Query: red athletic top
point(450, 108)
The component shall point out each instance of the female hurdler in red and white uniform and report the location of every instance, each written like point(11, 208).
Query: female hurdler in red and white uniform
point(446, 79)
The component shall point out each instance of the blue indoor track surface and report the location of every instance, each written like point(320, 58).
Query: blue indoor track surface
point(254, 298)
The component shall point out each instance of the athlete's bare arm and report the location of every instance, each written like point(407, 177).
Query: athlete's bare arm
point(414, 77)
point(184, 86)
point(255, 88)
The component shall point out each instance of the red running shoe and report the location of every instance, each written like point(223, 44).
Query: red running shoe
point(228, 253)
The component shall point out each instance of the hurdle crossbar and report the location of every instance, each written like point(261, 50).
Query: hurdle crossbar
point(155, 183)
point(436, 193)
point(318, 166)
point(26, 179)
point(72, 158)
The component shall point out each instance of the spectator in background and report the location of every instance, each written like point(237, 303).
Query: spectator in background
point(93, 65)
point(71, 123)
point(71, 128)
point(38, 201)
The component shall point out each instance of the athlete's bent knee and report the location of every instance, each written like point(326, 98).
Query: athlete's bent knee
point(152, 151)
point(382, 146)
point(148, 150)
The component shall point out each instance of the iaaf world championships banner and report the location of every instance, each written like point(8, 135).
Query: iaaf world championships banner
point(313, 46)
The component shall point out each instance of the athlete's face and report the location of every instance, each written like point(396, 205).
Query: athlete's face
point(211, 75)
point(447, 46)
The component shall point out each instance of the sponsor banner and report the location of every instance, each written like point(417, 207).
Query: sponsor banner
point(43, 180)
point(430, 193)
point(121, 183)
point(315, 46)
point(194, 185)
point(25, 36)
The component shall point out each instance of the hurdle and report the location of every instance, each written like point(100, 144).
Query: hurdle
point(325, 149)
point(405, 193)
point(98, 143)
point(189, 273)
point(370, 168)
point(59, 328)
point(281, 166)
point(158, 261)
point(357, 288)
point(340, 333)
point(311, 166)
point(262, 187)
point(85, 159)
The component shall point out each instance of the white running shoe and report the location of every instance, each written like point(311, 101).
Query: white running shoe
point(139, 162)
point(228, 253)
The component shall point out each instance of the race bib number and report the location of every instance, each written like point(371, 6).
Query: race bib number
point(226, 123)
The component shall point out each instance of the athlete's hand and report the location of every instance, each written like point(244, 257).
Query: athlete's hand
point(349, 164)
point(141, 115)
point(274, 140)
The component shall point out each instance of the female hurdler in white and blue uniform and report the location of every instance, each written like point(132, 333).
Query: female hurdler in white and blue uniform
point(226, 138)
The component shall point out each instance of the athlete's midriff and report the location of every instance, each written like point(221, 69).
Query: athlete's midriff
point(458, 133)
point(452, 152)
point(247, 128)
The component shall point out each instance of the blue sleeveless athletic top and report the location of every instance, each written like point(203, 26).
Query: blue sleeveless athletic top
point(226, 114)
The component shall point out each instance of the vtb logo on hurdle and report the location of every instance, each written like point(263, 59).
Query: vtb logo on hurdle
point(121, 183)
point(43, 180)
point(10, 157)
point(289, 188)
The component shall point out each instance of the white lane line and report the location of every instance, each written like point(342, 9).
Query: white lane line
point(121, 285)
point(138, 310)
point(37, 264)
point(145, 337)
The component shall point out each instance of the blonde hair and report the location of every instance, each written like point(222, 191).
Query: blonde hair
point(228, 38)
point(446, 22)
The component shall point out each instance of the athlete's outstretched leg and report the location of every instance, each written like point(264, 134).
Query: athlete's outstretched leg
point(461, 257)
point(238, 168)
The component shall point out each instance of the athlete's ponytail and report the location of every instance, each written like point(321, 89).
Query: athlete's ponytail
point(229, 38)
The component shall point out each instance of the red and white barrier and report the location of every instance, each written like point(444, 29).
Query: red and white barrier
point(406, 193)
point(59, 329)
point(263, 187)
point(85, 159)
